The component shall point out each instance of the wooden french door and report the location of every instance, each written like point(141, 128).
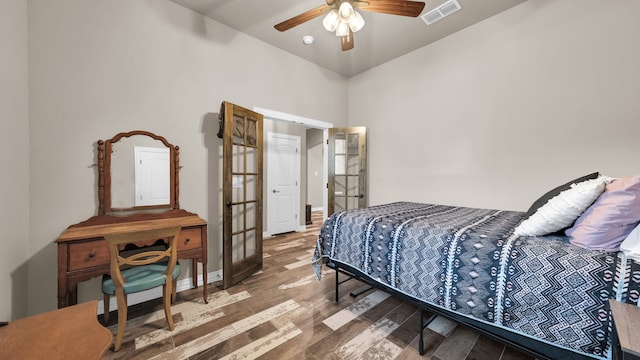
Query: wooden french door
point(347, 170)
point(242, 193)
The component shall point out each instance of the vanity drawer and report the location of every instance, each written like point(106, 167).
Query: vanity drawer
point(190, 238)
point(88, 254)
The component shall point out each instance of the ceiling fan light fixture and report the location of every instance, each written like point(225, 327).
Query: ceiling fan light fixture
point(331, 21)
point(356, 22)
point(342, 19)
point(343, 29)
point(345, 11)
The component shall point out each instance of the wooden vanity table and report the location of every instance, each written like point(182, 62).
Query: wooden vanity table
point(83, 253)
point(82, 250)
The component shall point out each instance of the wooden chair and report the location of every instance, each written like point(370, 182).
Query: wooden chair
point(142, 270)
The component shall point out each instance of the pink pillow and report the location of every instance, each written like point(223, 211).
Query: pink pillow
point(606, 223)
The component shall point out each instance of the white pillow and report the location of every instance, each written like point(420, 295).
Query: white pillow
point(562, 210)
point(631, 244)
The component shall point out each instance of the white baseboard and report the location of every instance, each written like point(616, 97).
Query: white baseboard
point(142, 296)
point(317, 208)
point(301, 228)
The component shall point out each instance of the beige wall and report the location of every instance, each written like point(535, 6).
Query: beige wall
point(98, 67)
point(496, 114)
point(14, 159)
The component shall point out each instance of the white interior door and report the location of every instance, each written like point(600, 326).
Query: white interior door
point(151, 183)
point(283, 183)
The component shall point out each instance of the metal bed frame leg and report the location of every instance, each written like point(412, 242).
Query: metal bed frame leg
point(423, 325)
point(337, 282)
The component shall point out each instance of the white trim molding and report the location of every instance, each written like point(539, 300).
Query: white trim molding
point(295, 119)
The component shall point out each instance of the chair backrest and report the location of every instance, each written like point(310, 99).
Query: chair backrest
point(114, 241)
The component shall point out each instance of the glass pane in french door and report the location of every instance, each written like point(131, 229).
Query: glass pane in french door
point(237, 247)
point(340, 204)
point(250, 237)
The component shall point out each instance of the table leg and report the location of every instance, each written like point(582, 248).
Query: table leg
point(62, 301)
point(194, 273)
point(204, 282)
point(73, 295)
point(67, 295)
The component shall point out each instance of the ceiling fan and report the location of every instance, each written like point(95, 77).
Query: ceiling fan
point(343, 18)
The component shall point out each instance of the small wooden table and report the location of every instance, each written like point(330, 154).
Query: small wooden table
point(626, 339)
point(70, 333)
point(83, 253)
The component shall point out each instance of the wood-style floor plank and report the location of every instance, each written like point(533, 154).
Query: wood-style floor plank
point(284, 312)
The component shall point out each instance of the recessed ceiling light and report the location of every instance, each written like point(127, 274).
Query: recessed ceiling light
point(307, 39)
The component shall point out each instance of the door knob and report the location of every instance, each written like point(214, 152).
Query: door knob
point(276, 191)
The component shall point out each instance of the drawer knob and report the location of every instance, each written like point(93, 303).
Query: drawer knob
point(92, 254)
point(187, 240)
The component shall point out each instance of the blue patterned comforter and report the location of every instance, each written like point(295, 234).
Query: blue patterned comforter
point(468, 260)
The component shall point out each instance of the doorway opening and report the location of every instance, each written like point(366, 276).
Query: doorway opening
point(320, 132)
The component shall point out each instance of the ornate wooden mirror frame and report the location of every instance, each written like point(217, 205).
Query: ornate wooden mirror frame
point(105, 150)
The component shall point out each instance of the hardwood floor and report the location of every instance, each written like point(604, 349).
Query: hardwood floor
point(283, 312)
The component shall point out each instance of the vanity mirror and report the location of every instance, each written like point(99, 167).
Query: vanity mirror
point(137, 170)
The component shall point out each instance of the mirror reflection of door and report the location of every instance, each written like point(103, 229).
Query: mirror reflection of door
point(127, 184)
point(283, 183)
point(347, 155)
point(151, 180)
point(242, 193)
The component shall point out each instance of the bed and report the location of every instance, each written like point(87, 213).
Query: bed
point(542, 294)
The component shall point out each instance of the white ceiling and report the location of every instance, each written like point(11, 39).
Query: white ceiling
point(384, 37)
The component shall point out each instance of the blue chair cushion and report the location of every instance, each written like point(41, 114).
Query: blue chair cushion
point(140, 278)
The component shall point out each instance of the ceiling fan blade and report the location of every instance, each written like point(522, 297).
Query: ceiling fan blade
point(304, 17)
point(394, 7)
point(347, 41)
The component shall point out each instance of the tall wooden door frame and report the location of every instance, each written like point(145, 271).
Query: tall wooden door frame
point(242, 191)
point(347, 185)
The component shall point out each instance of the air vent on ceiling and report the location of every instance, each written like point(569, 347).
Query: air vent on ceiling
point(441, 11)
